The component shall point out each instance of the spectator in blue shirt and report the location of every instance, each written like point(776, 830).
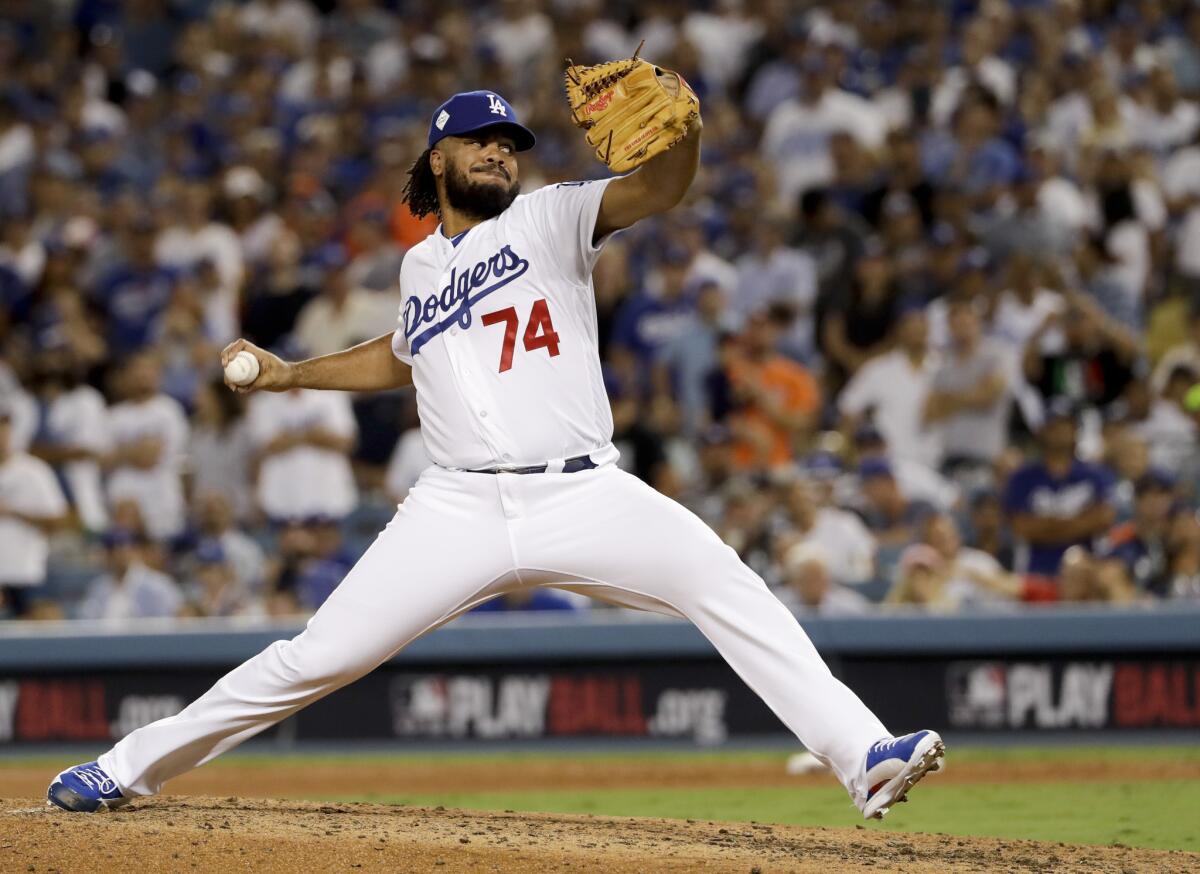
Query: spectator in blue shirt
point(974, 159)
point(328, 566)
point(889, 515)
point(648, 321)
point(1058, 500)
point(130, 589)
point(687, 361)
point(136, 291)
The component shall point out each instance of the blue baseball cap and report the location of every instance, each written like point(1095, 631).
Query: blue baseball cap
point(874, 467)
point(471, 111)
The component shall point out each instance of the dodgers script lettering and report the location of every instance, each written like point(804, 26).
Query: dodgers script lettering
point(463, 290)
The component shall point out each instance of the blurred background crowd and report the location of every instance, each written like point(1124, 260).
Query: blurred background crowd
point(926, 331)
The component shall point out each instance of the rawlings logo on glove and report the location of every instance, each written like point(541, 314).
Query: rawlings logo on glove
point(631, 109)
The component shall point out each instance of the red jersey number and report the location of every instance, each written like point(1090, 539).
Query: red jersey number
point(539, 331)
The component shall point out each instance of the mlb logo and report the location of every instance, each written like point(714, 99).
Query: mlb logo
point(419, 705)
point(977, 694)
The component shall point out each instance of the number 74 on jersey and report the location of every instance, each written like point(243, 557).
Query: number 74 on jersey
point(539, 331)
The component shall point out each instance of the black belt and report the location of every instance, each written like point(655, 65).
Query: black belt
point(571, 465)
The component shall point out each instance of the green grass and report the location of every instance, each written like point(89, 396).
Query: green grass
point(1152, 814)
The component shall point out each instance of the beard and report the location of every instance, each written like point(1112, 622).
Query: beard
point(480, 200)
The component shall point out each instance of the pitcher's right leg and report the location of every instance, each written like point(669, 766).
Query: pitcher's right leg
point(421, 570)
point(641, 549)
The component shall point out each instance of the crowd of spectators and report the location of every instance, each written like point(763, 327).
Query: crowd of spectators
point(926, 330)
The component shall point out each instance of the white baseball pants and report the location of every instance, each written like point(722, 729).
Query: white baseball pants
point(461, 538)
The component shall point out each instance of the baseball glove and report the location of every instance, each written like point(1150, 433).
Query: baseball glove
point(631, 109)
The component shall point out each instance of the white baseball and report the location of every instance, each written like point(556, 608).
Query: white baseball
point(242, 369)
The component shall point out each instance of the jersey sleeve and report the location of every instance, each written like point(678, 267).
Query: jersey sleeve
point(566, 215)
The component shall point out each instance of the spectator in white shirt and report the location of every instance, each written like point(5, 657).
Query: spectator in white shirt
point(773, 272)
point(723, 39)
point(796, 138)
point(810, 589)
point(324, 74)
point(219, 450)
point(130, 589)
point(979, 66)
point(893, 387)
point(194, 237)
point(74, 435)
point(969, 398)
point(1168, 432)
point(247, 200)
point(340, 317)
point(214, 522)
point(521, 36)
point(1167, 121)
point(293, 22)
point(303, 439)
point(21, 407)
point(31, 505)
point(1181, 188)
point(847, 544)
point(149, 434)
point(971, 577)
point(1023, 308)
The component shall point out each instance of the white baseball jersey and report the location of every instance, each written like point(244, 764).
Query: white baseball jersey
point(499, 325)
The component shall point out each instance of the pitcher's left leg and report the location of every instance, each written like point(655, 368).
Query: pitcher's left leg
point(611, 529)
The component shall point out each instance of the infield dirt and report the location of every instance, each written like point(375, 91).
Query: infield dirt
point(198, 833)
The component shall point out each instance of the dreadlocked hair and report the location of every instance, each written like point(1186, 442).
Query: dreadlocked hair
point(420, 191)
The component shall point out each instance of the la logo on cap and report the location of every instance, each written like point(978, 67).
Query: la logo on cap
point(496, 105)
point(442, 118)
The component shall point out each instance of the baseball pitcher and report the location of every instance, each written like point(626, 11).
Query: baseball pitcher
point(497, 332)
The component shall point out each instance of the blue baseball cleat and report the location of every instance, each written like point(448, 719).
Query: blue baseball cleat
point(85, 788)
point(895, 764)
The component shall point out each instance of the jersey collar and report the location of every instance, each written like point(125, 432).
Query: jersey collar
point(456, 239)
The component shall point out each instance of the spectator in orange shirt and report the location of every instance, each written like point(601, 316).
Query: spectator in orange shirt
point(775, 400)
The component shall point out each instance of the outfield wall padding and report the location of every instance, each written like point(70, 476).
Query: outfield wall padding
point(609, 674)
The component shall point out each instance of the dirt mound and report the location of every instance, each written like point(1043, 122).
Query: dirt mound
point(184, 834)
